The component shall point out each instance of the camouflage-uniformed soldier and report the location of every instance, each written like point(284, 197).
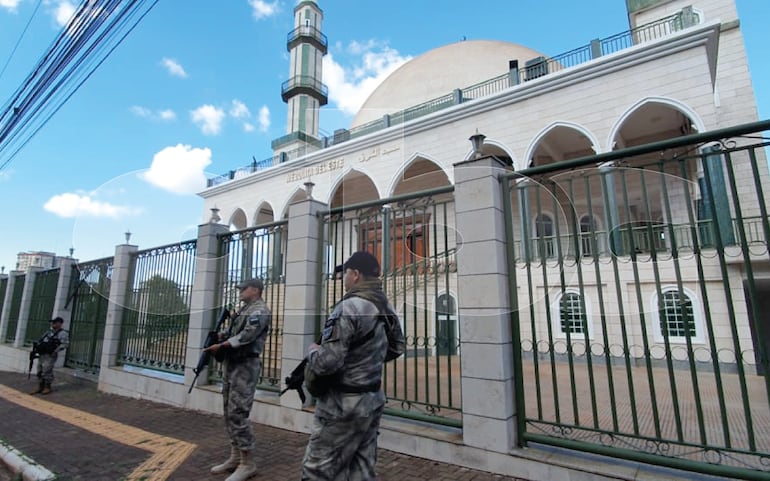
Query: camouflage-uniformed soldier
point(54, 341)
point(345, 372)
point(243, 343)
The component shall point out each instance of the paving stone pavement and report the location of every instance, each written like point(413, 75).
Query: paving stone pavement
point(77, 454)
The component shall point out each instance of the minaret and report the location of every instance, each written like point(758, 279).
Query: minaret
point(303, 92)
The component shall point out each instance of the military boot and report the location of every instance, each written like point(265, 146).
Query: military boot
point(246, 469)
point(39, 389)
point(230, 464)
point(46, 388)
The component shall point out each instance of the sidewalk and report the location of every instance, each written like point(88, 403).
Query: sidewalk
point(81, 434)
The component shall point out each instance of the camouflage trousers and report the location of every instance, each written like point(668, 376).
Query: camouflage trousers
point(45, 364)
point(239, 384)
point(344, 447)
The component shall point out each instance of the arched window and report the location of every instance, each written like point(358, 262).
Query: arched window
point(573, 319)
point(679, 316)
point(574, 315)
point(544, 236)
point(678, 319)
point(587, 233)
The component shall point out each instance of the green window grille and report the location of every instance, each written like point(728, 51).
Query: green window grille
point(678, 319)
point(573, 319)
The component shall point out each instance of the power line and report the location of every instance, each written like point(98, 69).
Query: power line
point(91, 35)
point(15, 47)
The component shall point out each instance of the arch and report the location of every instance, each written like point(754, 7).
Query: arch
point(417, 171)
point(696, 123)
point(359, 181)
point(564, 305)
point(694, 305)
point(238, 220)
point(553, 128)
point(544, 234)
point(493, 148)
point(297, 194)
point(589, 226)
point(264, 214)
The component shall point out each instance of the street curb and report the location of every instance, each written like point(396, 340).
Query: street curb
point(21, 464)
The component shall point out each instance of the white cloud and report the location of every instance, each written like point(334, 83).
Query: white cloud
point(63, 12)
point(69, 205)
point(264, 118)
point(239, 110)
point(166, 115)
point(208, 118)
point(262, 9)
point(248, 127)
point(173, 67)
point(141, 111)
point(5, 175)
point(179, 169)
point(350, 86)
point(9, 4)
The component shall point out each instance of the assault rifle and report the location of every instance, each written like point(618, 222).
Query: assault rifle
point(211, 339)
point(295, 380)
point(33, 354)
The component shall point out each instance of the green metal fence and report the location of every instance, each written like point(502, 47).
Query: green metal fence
point(640, 318)
point(3, 290)
point(157, 312)
point(88, 298)
point(41, 306)
point(257, 252)
point(15, 308)
point(414, 238)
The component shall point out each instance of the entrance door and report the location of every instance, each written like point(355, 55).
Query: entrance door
point(762, 322)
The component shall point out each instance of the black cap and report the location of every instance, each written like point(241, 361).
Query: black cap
point(363, 262)
point(252, 283)
point(57, 319)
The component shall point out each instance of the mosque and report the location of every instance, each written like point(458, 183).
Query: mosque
point(608, 211)
point(680, 70)
point(576, 245)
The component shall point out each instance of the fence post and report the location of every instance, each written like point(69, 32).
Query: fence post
point(487, 376)
point(60, 306)
point(204, 297)
point(6, 312)
point(122, 269)
point(302, 281)
point(26, 303)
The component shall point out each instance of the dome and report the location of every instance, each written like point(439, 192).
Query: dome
point(440, 71)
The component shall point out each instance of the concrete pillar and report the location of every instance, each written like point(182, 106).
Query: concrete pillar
point(62, 304)
point(6, 311)
point(484, 307)
point(26, 302)
point(204, 307)
point(303, 264)
point(122, 269)
point(611, 210)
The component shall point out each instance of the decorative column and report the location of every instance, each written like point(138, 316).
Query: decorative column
point(304, 253)
point(62, 304)
point(611, 217)
point(204, 307)
point(484, 307)
point(122, 270)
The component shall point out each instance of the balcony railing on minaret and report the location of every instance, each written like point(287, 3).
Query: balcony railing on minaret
point(307, 34)
point(304, 84)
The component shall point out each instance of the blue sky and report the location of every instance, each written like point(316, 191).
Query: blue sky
point(194, 91)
